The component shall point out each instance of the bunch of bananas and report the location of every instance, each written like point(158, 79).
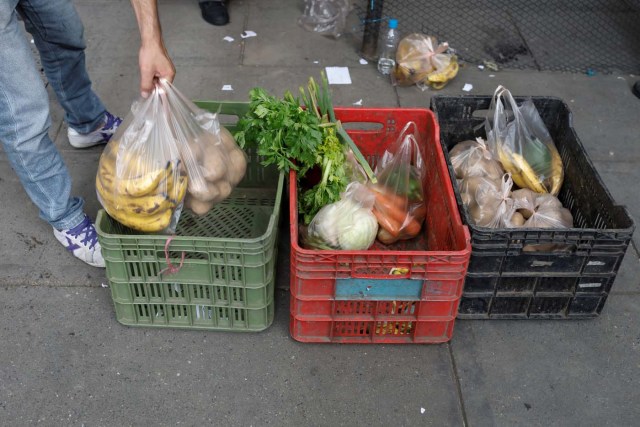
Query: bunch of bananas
point(524, 175)
point(145, 202)
point(440, 78)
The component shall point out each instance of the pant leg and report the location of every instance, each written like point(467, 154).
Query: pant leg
point(58, 34)
point(24, 125)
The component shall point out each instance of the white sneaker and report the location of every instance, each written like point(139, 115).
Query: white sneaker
point(98, 136)
point(82, 242)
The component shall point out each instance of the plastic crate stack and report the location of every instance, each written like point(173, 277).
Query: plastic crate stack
point(354, 296)
point(227, 278)
point(503, 281)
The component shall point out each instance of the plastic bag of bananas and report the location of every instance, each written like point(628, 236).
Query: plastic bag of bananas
point(421, 61)
point(519, 139)
point(165, 148)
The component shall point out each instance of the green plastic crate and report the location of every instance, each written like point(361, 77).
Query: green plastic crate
point(228, 276)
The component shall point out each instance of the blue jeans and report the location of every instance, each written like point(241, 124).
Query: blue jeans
point(24, 105)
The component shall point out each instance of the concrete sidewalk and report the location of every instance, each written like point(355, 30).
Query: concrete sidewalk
point(67, 361)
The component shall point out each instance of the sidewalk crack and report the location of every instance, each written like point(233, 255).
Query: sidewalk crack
point(456, 378)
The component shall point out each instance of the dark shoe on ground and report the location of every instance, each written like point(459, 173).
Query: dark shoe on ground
point(636, 89)
point(214, 12)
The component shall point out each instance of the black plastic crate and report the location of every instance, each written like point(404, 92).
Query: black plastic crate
point(503, 281)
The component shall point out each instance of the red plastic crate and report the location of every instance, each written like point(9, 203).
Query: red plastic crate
point(350, 296)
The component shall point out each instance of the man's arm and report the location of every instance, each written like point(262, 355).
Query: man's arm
point(153, 57)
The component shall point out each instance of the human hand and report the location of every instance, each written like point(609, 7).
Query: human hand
point(154, 64)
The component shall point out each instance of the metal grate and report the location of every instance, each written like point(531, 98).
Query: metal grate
point(555, 35)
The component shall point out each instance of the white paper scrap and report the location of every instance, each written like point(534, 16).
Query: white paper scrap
point(316, 62)
point(227, 87)
point(104, 285)
point(338, 75)
point(492, 75)
point(358, 102)
point(247, 34)
point(229, 39)
point(481, 67)
point(422, 410)
point(467, 87)
point(363, 61)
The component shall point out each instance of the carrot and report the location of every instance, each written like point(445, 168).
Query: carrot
point(419, 212)
point(391, 206)
point(389, 224)
point(391, 196)
point(412, 228)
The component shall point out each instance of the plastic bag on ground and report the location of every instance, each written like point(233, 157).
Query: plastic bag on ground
point(473, 158)
point(165, 149)
point(325, 17)
point(423, 62)
point(347, 224)
point(518, 138)
point(399, 205)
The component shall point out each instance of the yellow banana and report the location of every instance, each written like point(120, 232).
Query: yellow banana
point(152, 224)
point(144, 184)
point(557, 171)
point(521, 172)
point(528, 174)
point(445, 75)
point(182, 189)
point(143, 206)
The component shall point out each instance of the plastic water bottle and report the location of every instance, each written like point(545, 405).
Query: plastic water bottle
point(389, 44)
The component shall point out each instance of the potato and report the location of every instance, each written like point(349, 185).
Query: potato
point(472, 184)
point(224, 189)
point(517, 220)
point(471, 158)
point(196, 206)
point(208, 192)
point(484, 216)
point(214, 166)
point(237, 166)
point(227, 139)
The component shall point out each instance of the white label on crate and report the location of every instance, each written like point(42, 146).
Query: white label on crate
point(596, 263)
point(541, 263)
point(590, 285)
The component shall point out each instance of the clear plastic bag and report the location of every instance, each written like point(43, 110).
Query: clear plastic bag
point(399, 206)
point(348, 224)
point(325, 17)
point(423, 62)
point(518, 138)
point(166, 148)
point(473, 158)
point(541, 210)
point(490, 204)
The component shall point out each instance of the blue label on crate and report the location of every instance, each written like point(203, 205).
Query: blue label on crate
point(379, 289)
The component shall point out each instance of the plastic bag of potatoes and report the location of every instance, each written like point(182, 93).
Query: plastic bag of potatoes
point(167, 154)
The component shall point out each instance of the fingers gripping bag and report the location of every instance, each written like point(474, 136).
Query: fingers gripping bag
point(519, 139)
point(348, 224)
point(166, 150)
point(399, 202)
